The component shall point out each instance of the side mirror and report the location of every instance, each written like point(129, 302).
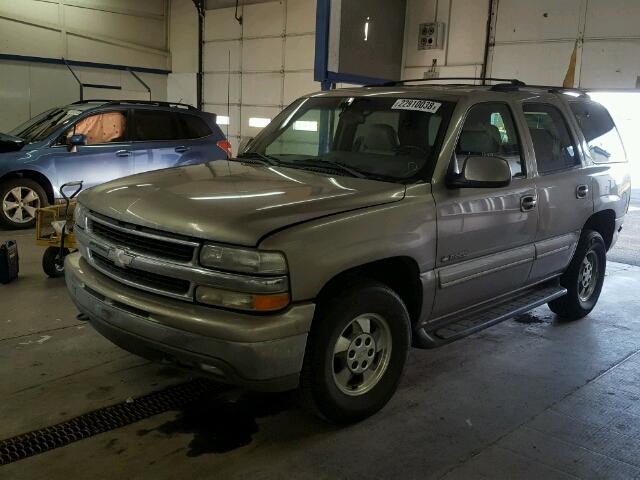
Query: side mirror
point(245, 143)
point(77, 140)
point(482, 172)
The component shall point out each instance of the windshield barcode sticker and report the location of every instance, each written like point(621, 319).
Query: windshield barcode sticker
point(428, 106)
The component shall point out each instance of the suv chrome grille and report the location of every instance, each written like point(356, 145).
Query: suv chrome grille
point(151, 260)
point(143, 243)
point(149, 279)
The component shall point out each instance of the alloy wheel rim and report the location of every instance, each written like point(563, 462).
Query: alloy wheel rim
point(361, 354)
point(20, 203)
point(588, 276)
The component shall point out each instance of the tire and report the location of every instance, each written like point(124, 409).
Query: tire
point(580, 300)
point(49, 262)
point(20, 197)
point(329, 387)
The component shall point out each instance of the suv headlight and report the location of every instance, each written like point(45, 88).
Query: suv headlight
point(80, 214)
point(243, 260)
point(267, 290)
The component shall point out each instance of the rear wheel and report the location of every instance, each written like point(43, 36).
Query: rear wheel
point(583, 279)
point(356, 352)
point(21, 197)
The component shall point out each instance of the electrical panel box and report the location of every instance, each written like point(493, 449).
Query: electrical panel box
point(431, 35)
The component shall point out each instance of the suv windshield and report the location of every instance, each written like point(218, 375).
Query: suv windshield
point(386, 138)
point(43, 125)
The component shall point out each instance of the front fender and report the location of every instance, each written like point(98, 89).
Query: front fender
point(320, 249)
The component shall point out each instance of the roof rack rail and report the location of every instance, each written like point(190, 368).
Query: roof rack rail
point(136, 102)
point(393, 83)
point(555, 89)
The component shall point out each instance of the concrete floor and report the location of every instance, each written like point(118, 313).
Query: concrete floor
point(529, 398)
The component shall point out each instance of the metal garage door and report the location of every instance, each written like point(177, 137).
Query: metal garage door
point(260, 66)
point(534, 41)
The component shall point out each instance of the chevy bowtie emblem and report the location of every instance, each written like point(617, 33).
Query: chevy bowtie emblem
point(120, 257)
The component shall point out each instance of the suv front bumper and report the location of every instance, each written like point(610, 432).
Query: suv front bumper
point(263, 352)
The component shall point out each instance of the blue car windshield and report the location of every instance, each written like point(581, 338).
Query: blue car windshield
point(41, 126)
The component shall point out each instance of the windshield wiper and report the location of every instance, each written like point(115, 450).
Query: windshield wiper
point(31, 128)
point(330, 164)
point(264, 159)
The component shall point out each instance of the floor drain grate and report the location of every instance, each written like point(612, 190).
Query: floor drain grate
point(103, 420)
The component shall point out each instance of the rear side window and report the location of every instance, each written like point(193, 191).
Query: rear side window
point(156, 125)
point(552, 143)
point(599, 131)
point(489, 130)
point(192, 126)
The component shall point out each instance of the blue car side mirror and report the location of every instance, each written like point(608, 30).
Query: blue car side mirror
point(78, 139)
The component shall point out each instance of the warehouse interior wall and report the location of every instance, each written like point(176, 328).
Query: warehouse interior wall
point(534, 41)
point(183, 45)
point(461, 51)
point(253, 70)
point(115, 32)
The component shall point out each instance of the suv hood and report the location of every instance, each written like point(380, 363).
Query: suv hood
point(232, 202)
point(9, 143)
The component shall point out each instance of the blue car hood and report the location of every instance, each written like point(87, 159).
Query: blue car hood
point(9, 143)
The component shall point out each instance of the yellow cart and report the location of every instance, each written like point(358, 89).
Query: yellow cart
point(54, 230)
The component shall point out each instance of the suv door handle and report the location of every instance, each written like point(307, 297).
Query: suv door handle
point(528, 203)
point(181, 149)
point(581, 191)
point(123, 153)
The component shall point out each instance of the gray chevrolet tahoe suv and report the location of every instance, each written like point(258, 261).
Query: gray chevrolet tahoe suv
point(358, 223)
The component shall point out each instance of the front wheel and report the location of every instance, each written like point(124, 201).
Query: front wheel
point(356, 352)
point(583, 279)
point(21, 197)
point(53, 263)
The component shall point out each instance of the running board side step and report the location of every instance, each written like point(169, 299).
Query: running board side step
point(473, 322)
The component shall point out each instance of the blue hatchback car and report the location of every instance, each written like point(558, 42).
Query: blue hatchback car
point(96, 141)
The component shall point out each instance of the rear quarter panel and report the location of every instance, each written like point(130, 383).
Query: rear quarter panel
point(611, 187)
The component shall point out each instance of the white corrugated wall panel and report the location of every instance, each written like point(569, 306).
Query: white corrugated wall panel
point(272, 61)
point(14, 95)
point(262, 54)
point(610, 63)
point(297, 84)
point(144, 31)
point(263, 19)
point(108, 31)
point(218, 56)
point(262, 89)
point(217, 85)
point(220, 25)
point(301, 16)
point(538, 20)
point(117, 32)
point(613, 18)
point(299, 52)
point(534, 42)
point(524, 61)
point(21, 39)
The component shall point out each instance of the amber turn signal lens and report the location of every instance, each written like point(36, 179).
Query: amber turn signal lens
point(242, 301)
point(269, 303)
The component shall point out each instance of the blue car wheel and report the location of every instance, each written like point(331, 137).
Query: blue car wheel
point(21, 197)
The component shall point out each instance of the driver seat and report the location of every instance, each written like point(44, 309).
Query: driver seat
point(380, 139)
